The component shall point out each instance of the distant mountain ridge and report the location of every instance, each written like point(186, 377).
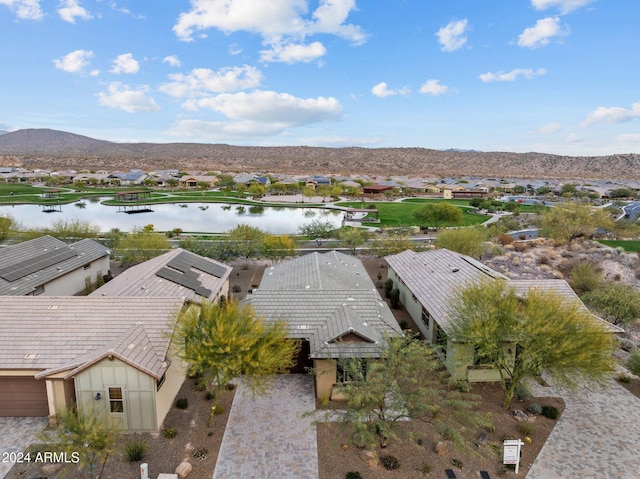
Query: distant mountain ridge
point(53, 149)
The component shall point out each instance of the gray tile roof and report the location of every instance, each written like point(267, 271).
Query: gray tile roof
point(435, 276)
point(142, 280)
point(37, 255)
point(63, 333)
point(329, 300)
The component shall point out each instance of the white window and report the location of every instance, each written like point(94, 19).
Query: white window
point(116, 400)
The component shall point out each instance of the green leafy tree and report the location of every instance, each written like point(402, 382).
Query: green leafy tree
point(256, 190)
point(403, 384)
point(7, 226)
point(73, 230)
point(568, 221)
point(86, 438)
point(544, 331)
point(247, 240)
point(438, 215)
point(585, 276)
point(278, 247)
point(308, 192)
point(140, 245)
point(469, 241)
point(352, 191)
point(220, 342)
point(352, 238)
point(393, 243)
point(318, 230)
point(615, 302)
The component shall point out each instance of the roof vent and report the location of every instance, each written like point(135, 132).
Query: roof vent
point(31, 356)
point(455, 270)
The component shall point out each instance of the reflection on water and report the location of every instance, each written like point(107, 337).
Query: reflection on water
point(196, 217)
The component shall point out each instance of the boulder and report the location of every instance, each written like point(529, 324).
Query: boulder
point(370, 458)
point(183, 469)
point(520, 415)
point(482, 439)
point(441, 448)
point(51, 469)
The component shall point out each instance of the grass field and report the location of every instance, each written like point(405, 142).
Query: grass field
point(397, 214)
point(630, 246)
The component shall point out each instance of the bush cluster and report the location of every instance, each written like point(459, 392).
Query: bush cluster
point(550, 412)
point(390, 463)
point(353, 475)
point(135, 449)
point(182, 403)
point(535, 408)
point(169, 432)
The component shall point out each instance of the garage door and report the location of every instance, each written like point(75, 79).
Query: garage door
point(23, 397)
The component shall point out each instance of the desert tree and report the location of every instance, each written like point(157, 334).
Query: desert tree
point(223, 341)
point(522, 337)
point(247, 240)
point(615, 302)
point(140, 245)
point(470, 241)
point(438, 215)
point(277, 247)
point(568, 221)
point(404, 384)
point(352, 238)
point(318, 230)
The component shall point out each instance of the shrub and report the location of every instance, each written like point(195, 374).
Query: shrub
point(462, 386)
point(526, 428)
point(388, 286)
point(390, 463)
point(218, 410)
point(353, 475)
point(230, 386)
point(504, 239)
point(535, 408)
point(522, 392)
point(403, 323)
point(457, 463)
point(623, 378)
point(394, 298)
point(425, 468)
point(135, 449)
point(633, 363)
point(200, 454)
point(169, 432)
point(550, 412)
point(209, 395)
point(182, 403)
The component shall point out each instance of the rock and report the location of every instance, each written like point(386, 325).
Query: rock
point(519, 415)
point(441, 448)
point(370, 458)
point(183, 469)
point(482, 439)
point(51, 469)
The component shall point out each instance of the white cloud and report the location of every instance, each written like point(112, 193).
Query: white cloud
point(292, 53)
point(220, 130)
point(74, 62)
point(278, 22)
point(203, 81)
point(338, 141)
point(513, 75)
point(272, 107)
point(381, 90)
point(69, 10)
point(452, 36)
point(550, 128)
point(565, 6)
point(611, 115)
point(629, 140)
point(573, 138)
point(125, 63)
point(433, 87)
point(25, 9)
point(172, 60)
point(234, 49)
point(126, 98)
point(541, 33)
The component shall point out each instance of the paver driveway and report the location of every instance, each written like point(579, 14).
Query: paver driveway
point(596, 437)
point(16, 433)
point(266, 436)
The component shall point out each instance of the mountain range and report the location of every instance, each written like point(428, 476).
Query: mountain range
point(53, 149)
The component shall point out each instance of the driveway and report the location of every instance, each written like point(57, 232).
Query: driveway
point(266, 436)
point(596, 437)
point(16, 434)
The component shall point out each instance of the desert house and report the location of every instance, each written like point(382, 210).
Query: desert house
point(329, 303)
point(428, 281)
point(48, 266)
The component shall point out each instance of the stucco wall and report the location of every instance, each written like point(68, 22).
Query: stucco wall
point(174, 378)
point(325, 377)
point(139, 393)
point(412, 305)
point(73, 282)
point(61, 395)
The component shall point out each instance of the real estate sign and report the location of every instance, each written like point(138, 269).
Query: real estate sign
point(512, 452)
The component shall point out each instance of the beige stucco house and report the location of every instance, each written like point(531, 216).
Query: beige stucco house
point(429, 280)
point(329, 303)
point(50, 267)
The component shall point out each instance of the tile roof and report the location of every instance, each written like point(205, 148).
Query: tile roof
point(43, 259)
point(62, 333)
point(327, 299)
point(435, 276)
point(143, 279)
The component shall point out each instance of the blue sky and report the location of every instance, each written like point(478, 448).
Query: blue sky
point(557, 76)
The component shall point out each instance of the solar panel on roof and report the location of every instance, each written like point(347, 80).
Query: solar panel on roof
point(37, 263)
point(185, 261)
point(185, 279)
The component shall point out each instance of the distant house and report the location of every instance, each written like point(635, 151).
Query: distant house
point(318, 180)
point(175, 274)
point(110, 355)
point(132, 177)
point(248, 179)
point(330, 303)
point(194, 181)
point(376, 190)
point(428, 281)
point(91, 178)
point(470, 193)
point(50, 267)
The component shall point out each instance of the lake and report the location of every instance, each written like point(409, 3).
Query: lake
point(195, 217)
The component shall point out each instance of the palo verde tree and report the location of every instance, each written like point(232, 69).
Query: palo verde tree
point(247, 240)
point(318, 230)
point(568, 221)
point(140, 245)
point(277, 247)
point(352, 238)
point(523, 337)
point(403, 384)
point(220, 342)
point(438, 215)
point(469, 241)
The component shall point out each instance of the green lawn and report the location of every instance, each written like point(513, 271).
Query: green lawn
point(630, 246)
point(394, 214)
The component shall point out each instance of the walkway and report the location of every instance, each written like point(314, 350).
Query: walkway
point(17, 434)
point(596, 437)
point(266, 437)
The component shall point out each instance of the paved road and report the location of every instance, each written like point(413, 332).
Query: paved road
point(596, 437)
point(266, 436)
point(16, 433)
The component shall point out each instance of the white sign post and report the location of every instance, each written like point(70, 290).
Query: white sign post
point(512, 452)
